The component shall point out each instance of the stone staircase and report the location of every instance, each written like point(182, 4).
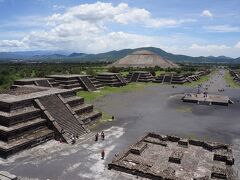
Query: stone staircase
point(22, 128)
point(123, 81)
point(98, 85)
point(134, 77)
point(163, 80)
point(111, 79)
point(63, 116)
point(43, 83)
point(87, 83)
point(84, 112)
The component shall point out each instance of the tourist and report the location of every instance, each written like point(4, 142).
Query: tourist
point(102, 135)
point(96, 137)
point(73, 140)
point(103, 154)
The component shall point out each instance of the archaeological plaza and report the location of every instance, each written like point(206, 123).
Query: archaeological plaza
point(172, 126)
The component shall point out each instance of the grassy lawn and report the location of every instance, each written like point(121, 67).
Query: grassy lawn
point(124, 73)
point(91, 96)
point(229, 80)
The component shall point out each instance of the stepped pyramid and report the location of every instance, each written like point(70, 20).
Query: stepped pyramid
point(144, 58)
point(31, 115)
point(69, 81)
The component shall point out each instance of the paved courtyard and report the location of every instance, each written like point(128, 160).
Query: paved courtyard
point(157, 108)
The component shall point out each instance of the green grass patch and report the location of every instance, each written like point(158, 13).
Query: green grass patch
point(124, 73)
point(91, 96)
point(105, 118)
point(229, 80)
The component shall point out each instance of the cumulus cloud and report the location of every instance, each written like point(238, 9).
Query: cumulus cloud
point(85, 28)
point(214, 50)
point(122, 14)
point(211, 47)
point(207, 13)
point(58, 7)
point(222, 28)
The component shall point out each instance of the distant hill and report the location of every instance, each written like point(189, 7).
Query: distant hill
point(111, 56)
point(76, 54)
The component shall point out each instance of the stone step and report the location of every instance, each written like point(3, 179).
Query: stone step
point(38, 137)
point(89, 117)
point(74, 100)
point(83, 108)
point(71, 86)
point(19, 115)
point(4, 129)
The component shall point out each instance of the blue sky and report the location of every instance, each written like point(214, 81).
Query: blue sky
point(191, 27)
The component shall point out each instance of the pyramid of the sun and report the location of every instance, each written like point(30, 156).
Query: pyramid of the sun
point(143, 58)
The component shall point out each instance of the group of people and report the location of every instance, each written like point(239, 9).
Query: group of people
point(74, 138)
point(220, 90)
point(103, 138)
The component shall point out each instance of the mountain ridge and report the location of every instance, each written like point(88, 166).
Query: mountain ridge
point(111, 56)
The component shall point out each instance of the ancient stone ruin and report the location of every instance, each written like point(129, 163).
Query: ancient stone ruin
point(31, 115)
point(111, 79)
point(207, 99)
point(170, 157)
point(139, 76)
point(171, 79)
point(236, 75)
point(4, 175)
point(74, 81)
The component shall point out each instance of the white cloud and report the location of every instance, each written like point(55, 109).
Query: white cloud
point(222, 28)
point(58, 7)
point(214, 50)
point(122, 14)
point(237, 45)
point(211, 47)
point(85, 28)
point(207, 13)
point(11, 44)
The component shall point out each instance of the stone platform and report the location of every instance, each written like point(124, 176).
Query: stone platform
point(209, 100)
point(31, 115)
point(111, 79)
point(170, 157)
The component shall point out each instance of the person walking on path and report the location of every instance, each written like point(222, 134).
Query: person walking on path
point(102, 135)
point(96, 137)
point(103, 154)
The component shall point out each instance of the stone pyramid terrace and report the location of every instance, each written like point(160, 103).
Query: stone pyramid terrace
point(44, 82)
point(77, 82)
point(111, 79)
point(171, 79)
point(236, 75)
point(74, 81)
point(140, 76)
point(31, 115)
point(210, 99)
point(170, 157)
